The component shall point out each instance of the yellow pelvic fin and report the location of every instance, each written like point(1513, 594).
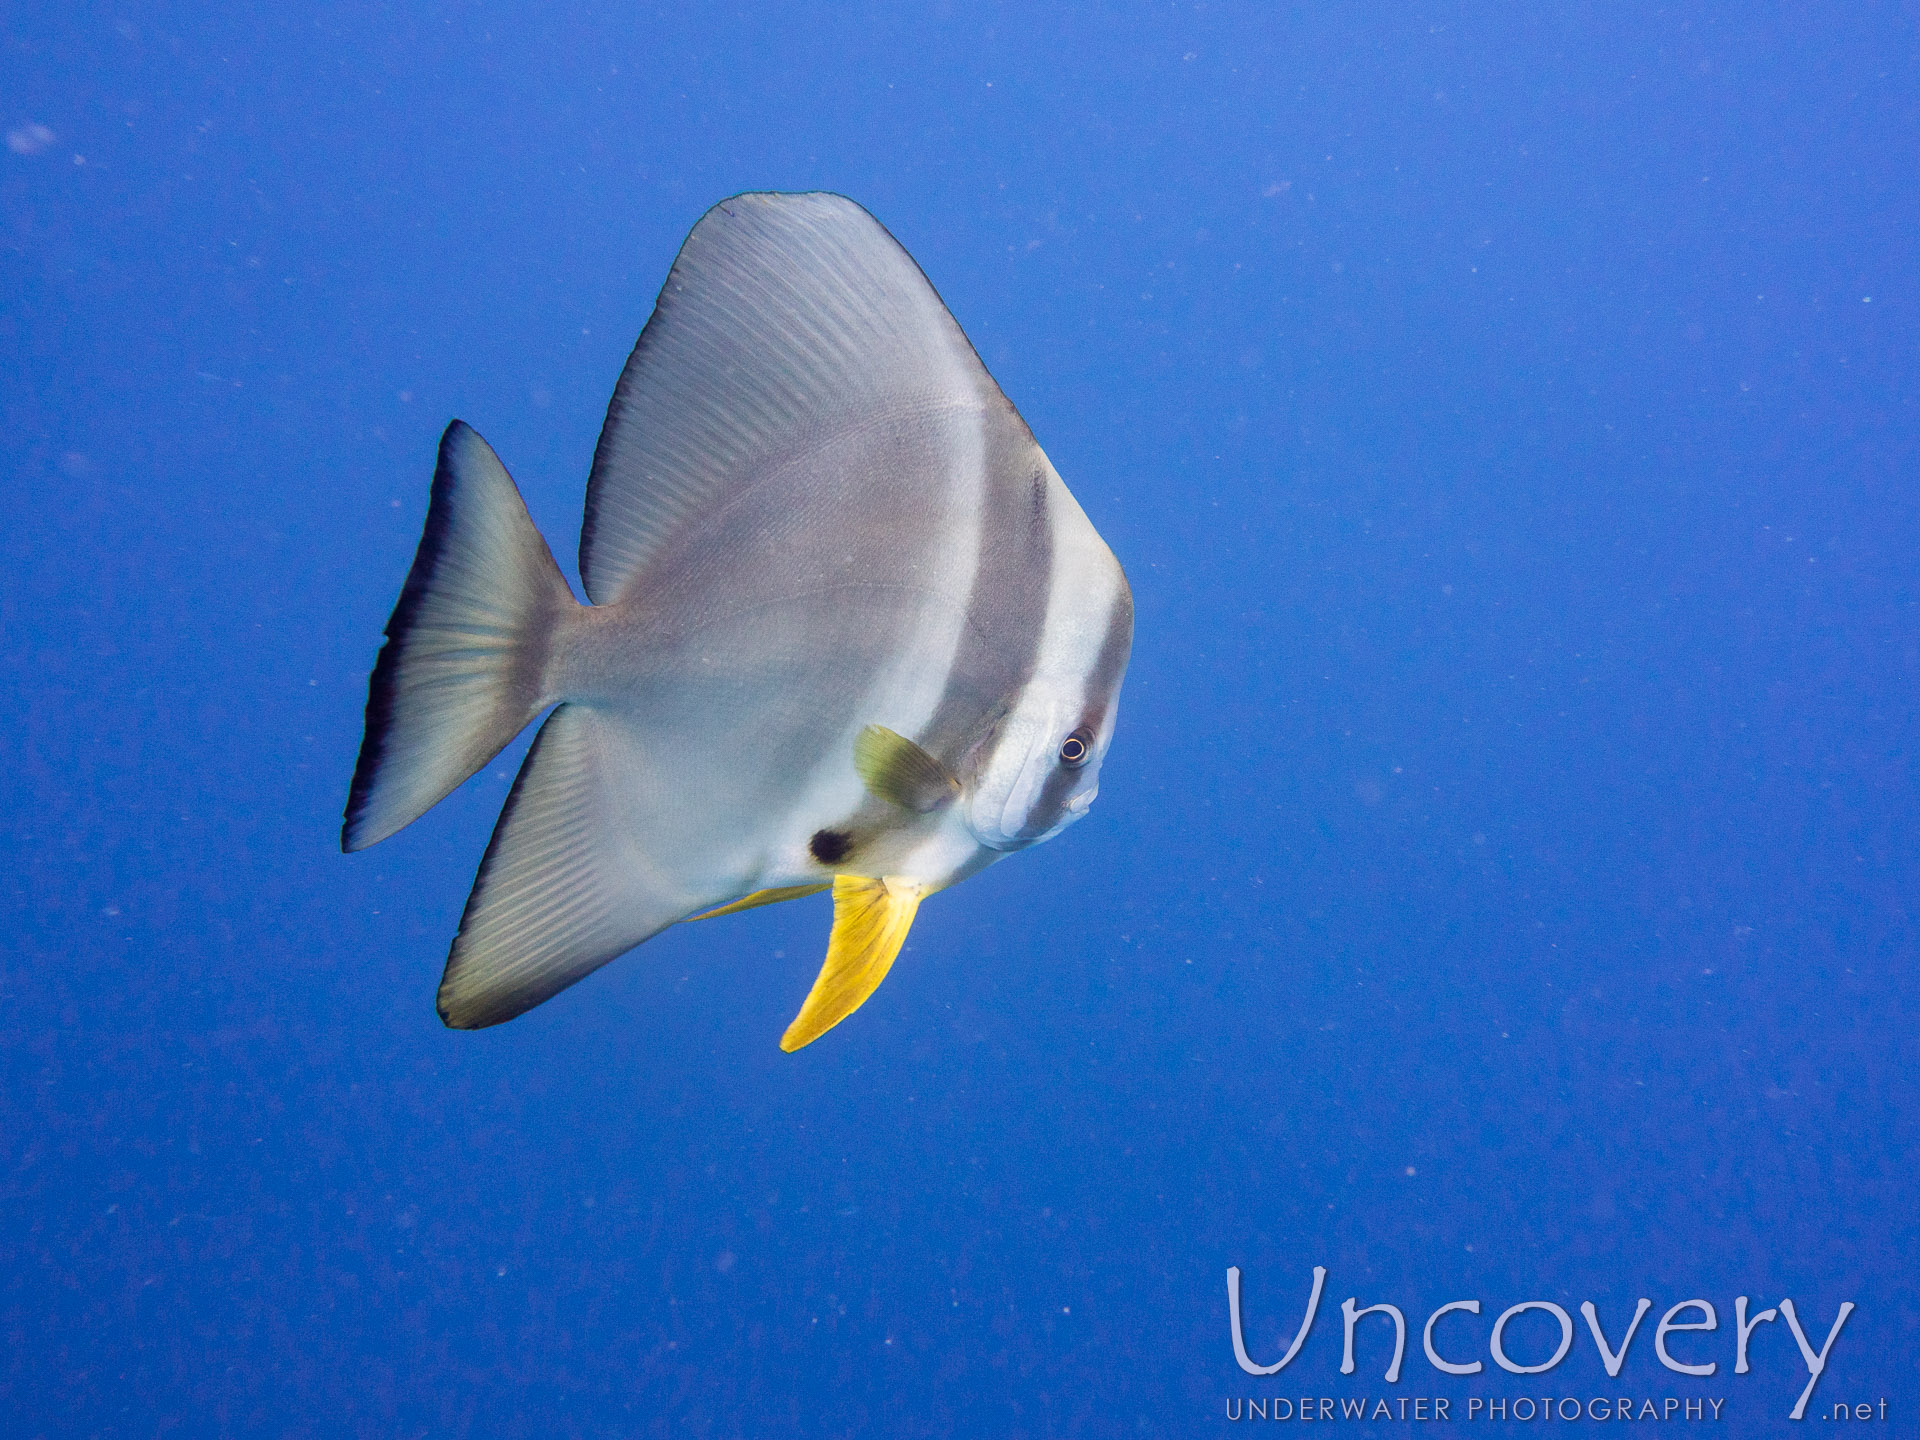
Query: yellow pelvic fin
point(901, 773)
point(759, 898)
point(870, 923)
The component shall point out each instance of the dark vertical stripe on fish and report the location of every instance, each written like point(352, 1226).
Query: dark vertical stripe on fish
point(1114, 649)
point(1007, 604)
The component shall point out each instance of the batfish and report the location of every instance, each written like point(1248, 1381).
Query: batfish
point(847, 630)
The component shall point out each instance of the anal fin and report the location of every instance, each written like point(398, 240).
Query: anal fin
point(871, 918)
point(564, 887)
point(761, 897)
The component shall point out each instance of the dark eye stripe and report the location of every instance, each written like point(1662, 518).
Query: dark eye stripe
point(1101, 687)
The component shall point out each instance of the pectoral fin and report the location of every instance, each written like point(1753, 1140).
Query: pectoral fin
point(759, 898)
point(901, 773)
point(870, 923)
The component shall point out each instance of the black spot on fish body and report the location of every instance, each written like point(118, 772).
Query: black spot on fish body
point(830, 847)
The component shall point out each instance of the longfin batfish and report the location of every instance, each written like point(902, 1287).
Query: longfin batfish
point(847, 628)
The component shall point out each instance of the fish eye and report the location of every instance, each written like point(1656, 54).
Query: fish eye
point(1075, 749)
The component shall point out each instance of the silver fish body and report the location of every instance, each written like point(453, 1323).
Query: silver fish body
point(848, 628)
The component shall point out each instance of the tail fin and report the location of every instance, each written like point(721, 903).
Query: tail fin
point(465, 664)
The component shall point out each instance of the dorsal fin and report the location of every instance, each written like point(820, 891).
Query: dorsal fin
point(781, 313)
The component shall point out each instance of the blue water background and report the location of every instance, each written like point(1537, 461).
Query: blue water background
point(1502, 883)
